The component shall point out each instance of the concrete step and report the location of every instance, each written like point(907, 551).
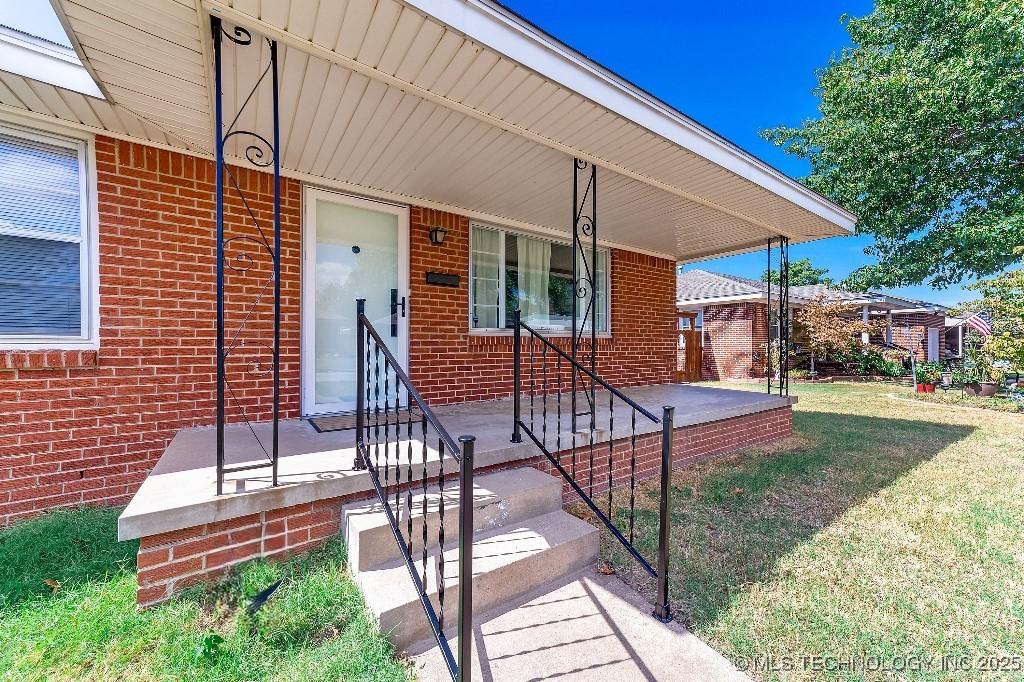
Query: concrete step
point(508, 562)
point(499, 499)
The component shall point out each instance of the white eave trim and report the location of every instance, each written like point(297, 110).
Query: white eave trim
point(499, 29)
point(46, 62)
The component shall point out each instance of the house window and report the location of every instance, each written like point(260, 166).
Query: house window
point(509, 270)
point(45, 281)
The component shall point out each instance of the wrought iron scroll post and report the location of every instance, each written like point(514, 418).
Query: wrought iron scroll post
point(584, 276)
point(240, 340)
point(781, 321)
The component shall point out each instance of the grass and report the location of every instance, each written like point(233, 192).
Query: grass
point(882, 528)
point(67, 612)
point(999, 403)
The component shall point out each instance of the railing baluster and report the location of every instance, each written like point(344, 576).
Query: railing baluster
point(611, 441)
point(440, 535)
point(387, 437)
point(426, 509)
point(558, 430)
point(376, 406)
point(544, 395)
point(532, 386)
point(408, 479)
point(632, 474)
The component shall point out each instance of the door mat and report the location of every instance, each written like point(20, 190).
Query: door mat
point(342, 422)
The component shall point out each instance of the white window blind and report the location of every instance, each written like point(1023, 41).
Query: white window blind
point(41, 238)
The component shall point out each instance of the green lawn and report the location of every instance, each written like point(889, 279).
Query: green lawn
point(67, 612)
point(883, 528)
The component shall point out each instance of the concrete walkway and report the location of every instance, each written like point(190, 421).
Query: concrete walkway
point(589, 627)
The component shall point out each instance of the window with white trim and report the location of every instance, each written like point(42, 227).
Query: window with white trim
point(45, 259)
point(510, 270)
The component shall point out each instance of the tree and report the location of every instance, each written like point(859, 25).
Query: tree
point(922, 135)
point(1002, 297)
point(801, 273)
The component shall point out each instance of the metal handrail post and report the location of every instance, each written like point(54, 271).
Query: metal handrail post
point(517, 349)
point(661, 608)
point(360, 462)
point(465, 618)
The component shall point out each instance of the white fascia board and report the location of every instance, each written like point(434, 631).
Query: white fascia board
point(718, 300)
point(41, 61)
point(507, 34)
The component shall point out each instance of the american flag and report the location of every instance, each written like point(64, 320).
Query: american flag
point(978, 324)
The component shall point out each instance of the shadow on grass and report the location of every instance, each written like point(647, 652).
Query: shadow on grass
point(734, 517)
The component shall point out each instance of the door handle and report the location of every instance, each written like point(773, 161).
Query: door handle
point(395, 303)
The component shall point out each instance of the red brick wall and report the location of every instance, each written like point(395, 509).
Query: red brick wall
point(170, 562)
point(448, 364)
point(916, 338)
point(734, 341)
point(86, 427)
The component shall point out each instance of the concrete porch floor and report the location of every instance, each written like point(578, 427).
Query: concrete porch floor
point(180, 492)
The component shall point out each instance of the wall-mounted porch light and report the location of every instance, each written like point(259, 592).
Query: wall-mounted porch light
point(437, 234)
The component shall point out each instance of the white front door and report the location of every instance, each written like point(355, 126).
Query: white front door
point(933, 343)
point(352, 248)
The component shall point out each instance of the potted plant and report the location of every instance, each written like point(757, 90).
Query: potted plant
point(996, 374)
point(928, 374)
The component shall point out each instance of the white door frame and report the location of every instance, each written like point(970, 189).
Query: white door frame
point(934, 344)
point(307, 298)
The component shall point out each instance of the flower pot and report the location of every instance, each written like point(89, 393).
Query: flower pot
point(972, 389)
point(929, 388)
point(988, 389)
point(921, 388)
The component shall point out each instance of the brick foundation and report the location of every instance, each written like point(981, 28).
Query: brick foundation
point(170, 562)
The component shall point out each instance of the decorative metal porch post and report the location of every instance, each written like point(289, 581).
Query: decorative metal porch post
point(584, 274)
point(231, 252)
point(782, 322)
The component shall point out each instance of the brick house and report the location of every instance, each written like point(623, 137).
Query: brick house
point(194, 198)
point(733, 315)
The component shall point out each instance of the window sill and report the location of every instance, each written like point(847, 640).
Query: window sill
point(48, 359)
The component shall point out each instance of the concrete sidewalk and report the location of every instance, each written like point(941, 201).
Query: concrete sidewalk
point(589, 627)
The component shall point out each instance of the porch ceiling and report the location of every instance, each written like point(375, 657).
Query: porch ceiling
point(396, 100)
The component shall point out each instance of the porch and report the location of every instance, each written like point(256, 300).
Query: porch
point(181, 491)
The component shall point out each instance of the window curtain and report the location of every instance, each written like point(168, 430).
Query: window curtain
point(534, 279)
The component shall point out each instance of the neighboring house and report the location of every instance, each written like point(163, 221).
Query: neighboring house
point(419, 155)
point(733, 315)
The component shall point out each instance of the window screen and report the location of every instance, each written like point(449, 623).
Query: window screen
point(40, 238)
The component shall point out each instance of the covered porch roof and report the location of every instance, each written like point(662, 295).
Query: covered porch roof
point(451, 104)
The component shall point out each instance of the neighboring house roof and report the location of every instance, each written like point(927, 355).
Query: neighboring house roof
point(701, 287)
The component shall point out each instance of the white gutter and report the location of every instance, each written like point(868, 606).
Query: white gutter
point(501, 30)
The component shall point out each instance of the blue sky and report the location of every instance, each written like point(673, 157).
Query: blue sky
point(36, 17)
point(737, 67)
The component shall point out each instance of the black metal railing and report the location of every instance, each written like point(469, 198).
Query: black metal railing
point(577, 454)
point(394, 418)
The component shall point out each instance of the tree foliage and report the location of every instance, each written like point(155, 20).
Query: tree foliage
point(922, 135)
point(1002, 297)
point(833, 329)
point(801, 273)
